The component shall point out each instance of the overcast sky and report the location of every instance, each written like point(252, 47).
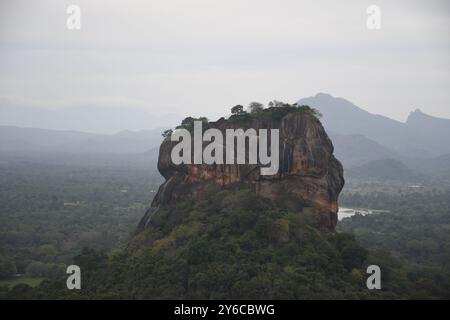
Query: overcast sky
point(200, 57)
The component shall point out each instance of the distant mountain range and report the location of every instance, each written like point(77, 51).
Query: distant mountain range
point(85, 118)
point(374, 146)
point(356, 149)
point(364, 142)
point(386, 169)
point(421, 136)
point(44, 140)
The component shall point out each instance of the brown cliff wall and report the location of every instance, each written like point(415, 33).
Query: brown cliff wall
point(309, 173)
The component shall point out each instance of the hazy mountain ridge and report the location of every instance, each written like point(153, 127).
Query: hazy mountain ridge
point(359, 137)
point(356, 149)
point(422, 136)
point(32, 139)
point(85, 118)
point(387, 169)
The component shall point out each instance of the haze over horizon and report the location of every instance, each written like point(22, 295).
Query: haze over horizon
point(116, 118)
point(202, 57)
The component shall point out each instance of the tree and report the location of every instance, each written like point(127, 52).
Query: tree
point(188, 121)
point(167, 133)
point(255, 107)
point(7, 267)
point(277, 104)
point(237, 109)
point(317, 113)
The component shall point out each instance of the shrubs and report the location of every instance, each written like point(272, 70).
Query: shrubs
point(228, 245)
point(7, 267)
point(276, 111)
point(237, 245)
point(39, 269)
point(167, 133)
point(237, 110)
point(188, 123)
point(255, 107)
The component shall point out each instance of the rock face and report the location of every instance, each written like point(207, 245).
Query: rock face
point(309, 176)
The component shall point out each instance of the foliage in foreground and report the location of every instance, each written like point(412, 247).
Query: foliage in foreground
point(236, 245)
point(415, 229)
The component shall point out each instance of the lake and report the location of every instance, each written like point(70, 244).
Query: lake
point(348, 212)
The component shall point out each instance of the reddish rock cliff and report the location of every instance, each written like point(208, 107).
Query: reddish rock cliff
point(309, 175)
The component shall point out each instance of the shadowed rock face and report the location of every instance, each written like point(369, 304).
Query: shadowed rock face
point(309, 175)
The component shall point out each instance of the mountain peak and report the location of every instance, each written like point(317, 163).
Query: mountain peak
point(419, 115)
point(324, 95)
point(416, 112)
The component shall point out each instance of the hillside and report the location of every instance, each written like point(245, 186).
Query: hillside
point(16, 139)
point(421, 136)
point(356, 149)
point(101, 118)
point(231, 245)
point(386, 169)
point(206, 237)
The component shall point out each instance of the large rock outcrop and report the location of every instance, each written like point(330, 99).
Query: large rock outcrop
point(309, 175)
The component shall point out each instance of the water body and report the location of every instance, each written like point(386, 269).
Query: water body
point(348, 212)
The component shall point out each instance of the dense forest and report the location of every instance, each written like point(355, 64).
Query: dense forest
point(232, 244)
point(415, 227)
point(51, 210)
point(235, 245)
